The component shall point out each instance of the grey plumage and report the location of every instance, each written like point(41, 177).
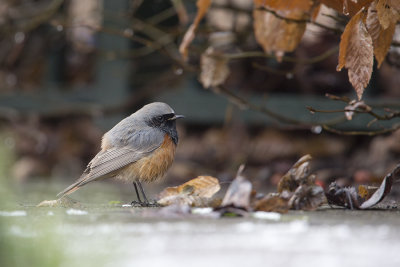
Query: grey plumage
point(127, 142)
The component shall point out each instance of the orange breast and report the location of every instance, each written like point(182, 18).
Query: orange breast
point(153, 167)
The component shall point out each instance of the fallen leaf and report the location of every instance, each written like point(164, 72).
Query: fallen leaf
point(272, 202)
point(202, 7)
point(196, 192)
point(214, 68)
point(65, 202)
point(348, 197)
point(298, 174)
point(307, 197)
point(236, 201)
point(381, 37)
point(383, 189)
point(356, 53)
point(238, 194)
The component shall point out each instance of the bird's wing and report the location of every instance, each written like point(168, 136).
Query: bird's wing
point(108, 161)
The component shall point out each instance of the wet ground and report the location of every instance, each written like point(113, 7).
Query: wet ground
point(107, 234)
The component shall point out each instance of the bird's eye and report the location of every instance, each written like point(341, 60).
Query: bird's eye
point(159, 118)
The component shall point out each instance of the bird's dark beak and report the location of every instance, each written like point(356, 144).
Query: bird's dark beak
point(176, 117)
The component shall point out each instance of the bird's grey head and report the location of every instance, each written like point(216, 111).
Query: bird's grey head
point(161, 116)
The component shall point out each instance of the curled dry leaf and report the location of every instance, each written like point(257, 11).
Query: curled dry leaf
point(278, 35)
point(298, 174)
point(348, 197)
point(356, 53)
point(237, 198)
point(383, 189)
point(381, 37)
point(196, 192)
point(307, 197)
point(202, 7)
point(214, 68)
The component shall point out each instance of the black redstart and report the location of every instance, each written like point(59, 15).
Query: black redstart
point(140, 148)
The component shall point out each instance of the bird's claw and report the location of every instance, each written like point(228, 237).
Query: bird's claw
point(145, 204)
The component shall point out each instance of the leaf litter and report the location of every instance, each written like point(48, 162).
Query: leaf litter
point(296, 190)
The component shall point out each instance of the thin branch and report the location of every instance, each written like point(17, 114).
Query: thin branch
point(368, 133)
point(312, 60)
point(244, 104)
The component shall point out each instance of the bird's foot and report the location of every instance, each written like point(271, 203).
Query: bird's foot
point(145, 204)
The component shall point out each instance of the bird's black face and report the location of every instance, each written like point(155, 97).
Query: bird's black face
point(166, 123)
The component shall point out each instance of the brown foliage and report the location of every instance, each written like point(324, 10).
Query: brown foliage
point(214, 69)
point(381, 36)
point(196, 192)
point(347, 7)
point(279, 26)
point(356, 53)
point(276, 34)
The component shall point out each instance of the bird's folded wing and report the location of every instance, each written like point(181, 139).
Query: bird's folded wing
point(108, 161)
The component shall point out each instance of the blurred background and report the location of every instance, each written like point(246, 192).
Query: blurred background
point(71, 69)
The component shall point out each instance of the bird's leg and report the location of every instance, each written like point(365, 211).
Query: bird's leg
point(146, 202)
point(143, 194)
point(137, 195)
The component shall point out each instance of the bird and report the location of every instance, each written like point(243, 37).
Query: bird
point(140, 148)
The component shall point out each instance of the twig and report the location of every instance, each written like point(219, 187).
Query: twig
point(368, 133)
point(250, 54)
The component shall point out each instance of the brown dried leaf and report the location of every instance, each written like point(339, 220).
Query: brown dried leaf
point(302, 5)
point(298, 174)
point(356, 53)
point(202, 7)
point(278, 35)
point(272, 202)
point(65, 202)
point(387, 15)
point(307, 197)
point(214, 68)
point(383, 189)
point(348, 197)
point(395, 4)
point(381, 38)
point(347, 7)
point(238, 193)
point(196, 192)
